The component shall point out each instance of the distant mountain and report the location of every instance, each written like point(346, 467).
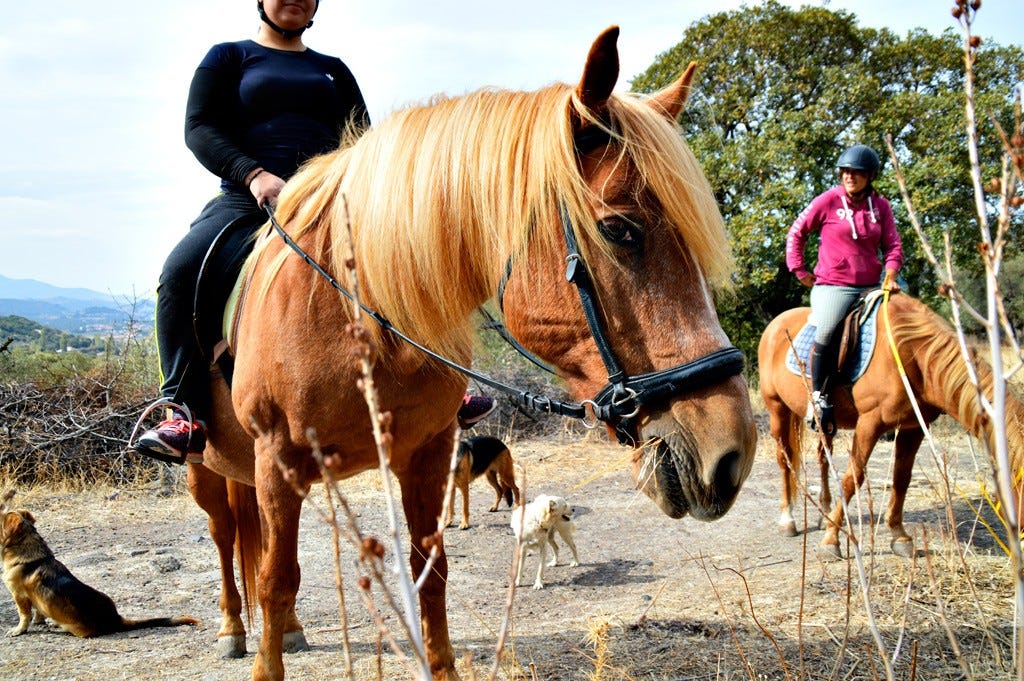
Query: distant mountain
point(77, 310)
point(37, 290)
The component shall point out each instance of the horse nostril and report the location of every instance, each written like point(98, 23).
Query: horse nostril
point(728, 474)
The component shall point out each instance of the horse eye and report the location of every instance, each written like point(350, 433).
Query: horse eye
point(622, 232)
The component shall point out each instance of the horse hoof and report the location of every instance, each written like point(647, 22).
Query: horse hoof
point(903, 547)
point(829, 553)
point(231, 647)
point(448, 674)
point(295, 642)
point(788, 529)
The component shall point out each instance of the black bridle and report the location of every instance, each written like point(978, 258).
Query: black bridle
point(621, 401)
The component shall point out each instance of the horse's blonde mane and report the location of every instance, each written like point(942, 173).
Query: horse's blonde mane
point(439, 197)
point(936, 350)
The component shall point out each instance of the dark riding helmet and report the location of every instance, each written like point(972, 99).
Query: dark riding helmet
point(283, 31)
point(860, 157)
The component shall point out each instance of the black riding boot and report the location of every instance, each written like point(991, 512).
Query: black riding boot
point(821, 370)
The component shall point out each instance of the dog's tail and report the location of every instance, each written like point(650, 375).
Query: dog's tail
point(128, 625)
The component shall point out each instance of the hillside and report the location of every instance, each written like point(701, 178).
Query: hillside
point(26, 332)
point(74, 310)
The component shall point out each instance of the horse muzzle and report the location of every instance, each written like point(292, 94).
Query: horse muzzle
point(681, 477)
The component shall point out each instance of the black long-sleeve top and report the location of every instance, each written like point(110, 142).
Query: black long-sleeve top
point(251, 106)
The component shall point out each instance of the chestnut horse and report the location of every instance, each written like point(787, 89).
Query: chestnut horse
point(448, 204)
point(876, 403)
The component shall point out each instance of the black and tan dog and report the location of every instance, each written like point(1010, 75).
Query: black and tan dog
point(37, 580)
point(488, 456)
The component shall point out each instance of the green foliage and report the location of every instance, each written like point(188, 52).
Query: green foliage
point(51, 368)
point(1011, 286)
point(781, 92)
point(25, 332)
point(33, 358)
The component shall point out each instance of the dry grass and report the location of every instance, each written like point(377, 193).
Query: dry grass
point(654, 599)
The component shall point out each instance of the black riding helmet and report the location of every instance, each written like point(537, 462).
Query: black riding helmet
point(860, 157)
point(283, 31)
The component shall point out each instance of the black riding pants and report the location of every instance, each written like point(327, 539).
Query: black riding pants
point(183, 368)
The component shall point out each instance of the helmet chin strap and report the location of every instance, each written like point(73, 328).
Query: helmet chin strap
point(285, 33)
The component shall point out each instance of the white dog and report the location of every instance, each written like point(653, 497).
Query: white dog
point(535, 527)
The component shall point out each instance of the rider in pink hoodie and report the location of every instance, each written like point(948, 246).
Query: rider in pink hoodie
point(855, 224)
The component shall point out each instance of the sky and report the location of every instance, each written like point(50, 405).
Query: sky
point(96, 184)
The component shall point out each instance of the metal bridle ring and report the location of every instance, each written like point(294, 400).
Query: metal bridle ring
point(593, 410)
point(630, 395)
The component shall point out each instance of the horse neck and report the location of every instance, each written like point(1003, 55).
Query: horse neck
point(948, 386)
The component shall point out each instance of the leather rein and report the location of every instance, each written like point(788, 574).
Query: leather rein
point(620, 402)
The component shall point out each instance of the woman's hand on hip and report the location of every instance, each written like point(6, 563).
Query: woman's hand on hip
point(807, 280)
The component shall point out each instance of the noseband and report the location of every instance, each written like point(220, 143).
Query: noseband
point(620, 402)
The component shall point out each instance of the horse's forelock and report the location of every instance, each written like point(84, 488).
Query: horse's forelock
point(441, 195)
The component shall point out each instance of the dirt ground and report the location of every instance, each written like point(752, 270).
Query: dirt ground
point(654, 598)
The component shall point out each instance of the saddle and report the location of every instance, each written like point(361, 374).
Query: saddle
point(849, 340)
point(855, 345)
point(218, 279)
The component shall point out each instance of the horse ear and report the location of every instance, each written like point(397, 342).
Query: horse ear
point(601, 71)
point(671, 100)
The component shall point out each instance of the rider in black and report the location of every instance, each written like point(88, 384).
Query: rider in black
point(257, 109)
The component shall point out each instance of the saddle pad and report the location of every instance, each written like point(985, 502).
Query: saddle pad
point(805, 339)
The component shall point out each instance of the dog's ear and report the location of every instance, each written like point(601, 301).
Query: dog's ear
point(12, 523)
point(27, 516)
point(552, 510)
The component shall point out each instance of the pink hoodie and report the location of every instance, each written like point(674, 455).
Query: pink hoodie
point(851, 234)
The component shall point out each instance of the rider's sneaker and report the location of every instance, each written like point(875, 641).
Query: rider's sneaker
point(475, 408)
point(176, 440)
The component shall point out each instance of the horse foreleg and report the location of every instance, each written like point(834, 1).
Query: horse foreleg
point(788, 459)
point(906, 446)
point(864, 438)
point(423, 485)
point(210, 493)
point(279, 572)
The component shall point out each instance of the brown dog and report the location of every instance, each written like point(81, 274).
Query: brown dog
point(38, 580)
point(484, 455)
